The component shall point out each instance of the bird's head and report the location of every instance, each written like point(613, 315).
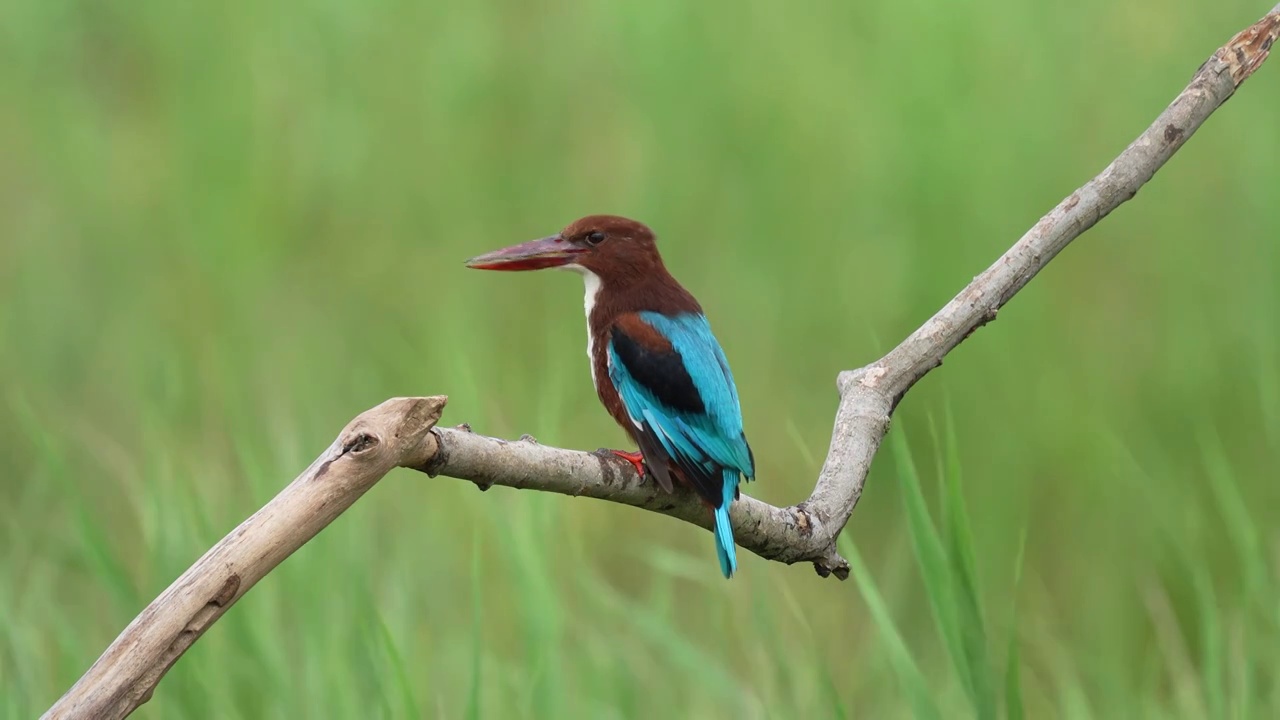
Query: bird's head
point(613, 248)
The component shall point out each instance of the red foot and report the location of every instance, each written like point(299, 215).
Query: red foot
point(636, 459)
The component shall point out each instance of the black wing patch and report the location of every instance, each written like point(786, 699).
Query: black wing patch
point(661, 372)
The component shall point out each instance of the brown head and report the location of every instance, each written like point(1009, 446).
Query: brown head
point(615, 249)
point(623, 275)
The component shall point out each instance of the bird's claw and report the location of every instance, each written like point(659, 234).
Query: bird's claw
point(636, 459)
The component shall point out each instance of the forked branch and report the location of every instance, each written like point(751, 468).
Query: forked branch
point(401, 432)
point(808, 530)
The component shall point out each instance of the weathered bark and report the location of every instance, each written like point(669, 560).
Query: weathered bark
point(400, 432)
point(395, 433)
point(808, 530)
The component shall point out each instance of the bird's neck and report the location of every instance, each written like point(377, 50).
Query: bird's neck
point(593, 286)
point(608, 296)
point(606, 299)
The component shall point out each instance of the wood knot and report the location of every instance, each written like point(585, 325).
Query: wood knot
point(440, 458)
point(803, 524)
point(360, 443)
point(227, 592)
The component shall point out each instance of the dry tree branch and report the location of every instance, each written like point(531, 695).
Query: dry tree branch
point(401, 432)
point(393, 434)
point(808, 530)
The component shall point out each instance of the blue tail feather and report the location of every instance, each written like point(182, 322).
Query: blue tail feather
point(726, 549)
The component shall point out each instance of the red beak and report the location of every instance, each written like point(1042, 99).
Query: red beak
point(547, 252)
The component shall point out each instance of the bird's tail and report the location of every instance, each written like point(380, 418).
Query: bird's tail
point(725, 547)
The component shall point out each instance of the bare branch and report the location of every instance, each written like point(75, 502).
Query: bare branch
point(785, 534)
point(393, 434)
point(808, 531)
point(400, 432)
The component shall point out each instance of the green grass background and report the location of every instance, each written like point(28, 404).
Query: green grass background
point(226, 228)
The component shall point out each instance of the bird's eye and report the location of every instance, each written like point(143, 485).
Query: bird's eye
point(595, 238)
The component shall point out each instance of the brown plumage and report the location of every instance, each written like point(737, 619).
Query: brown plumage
point(669, 386)
point(633, 279)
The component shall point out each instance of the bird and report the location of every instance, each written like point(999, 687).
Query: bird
point(657, 368)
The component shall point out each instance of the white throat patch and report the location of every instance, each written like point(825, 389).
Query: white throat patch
point(592, 285)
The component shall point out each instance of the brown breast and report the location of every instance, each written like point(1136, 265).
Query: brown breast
point(658, 292)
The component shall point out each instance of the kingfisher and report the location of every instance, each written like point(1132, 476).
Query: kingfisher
point(657, 367)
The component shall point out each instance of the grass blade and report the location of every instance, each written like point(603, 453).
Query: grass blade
point(474, 694)
point(935, 570)
point(1013, 708)
point(917, 689)
point(972, 629)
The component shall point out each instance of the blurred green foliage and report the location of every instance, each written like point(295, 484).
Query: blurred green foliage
point(226, 228)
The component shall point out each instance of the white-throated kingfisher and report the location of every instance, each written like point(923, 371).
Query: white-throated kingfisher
point(656, 366)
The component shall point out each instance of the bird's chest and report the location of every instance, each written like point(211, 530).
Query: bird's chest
point(597, 337)
point(598, 328)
